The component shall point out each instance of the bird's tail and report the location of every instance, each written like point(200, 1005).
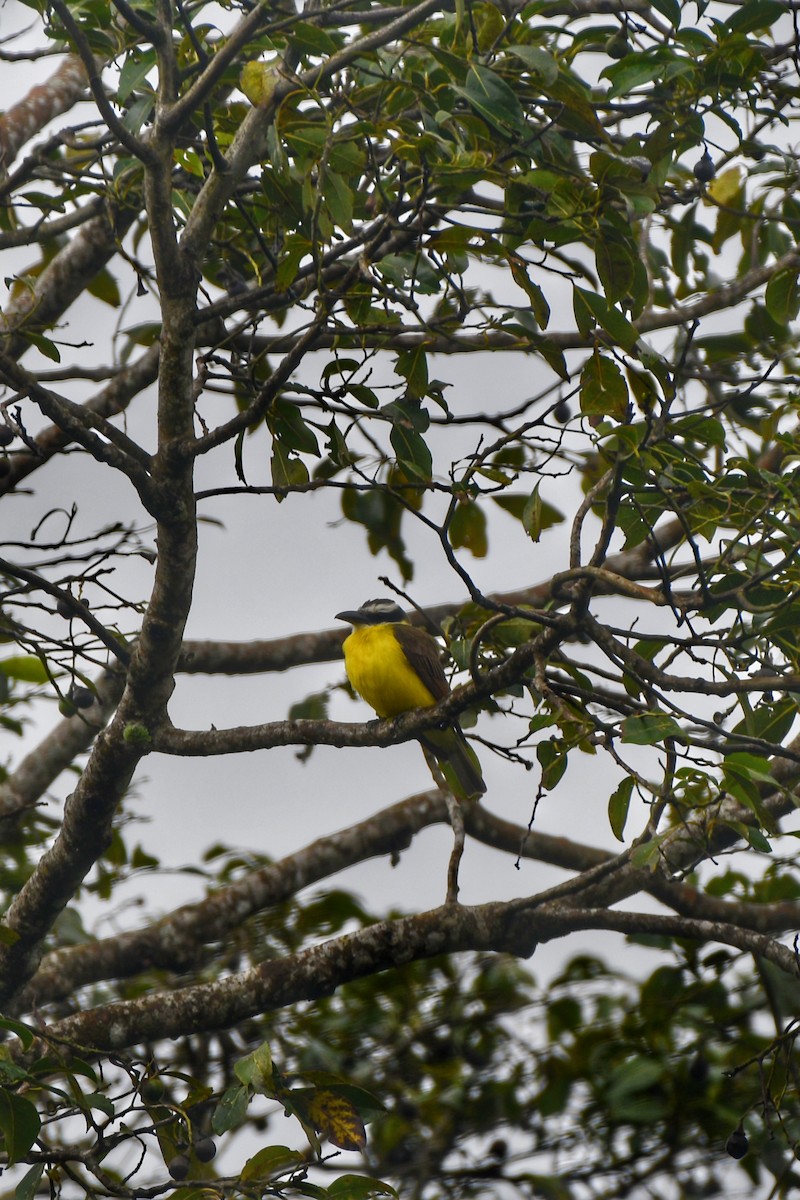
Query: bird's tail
point(457, 760)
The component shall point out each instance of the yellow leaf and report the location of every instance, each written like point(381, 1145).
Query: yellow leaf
point(257, 81)
point(726, 187)
point(337, 1119)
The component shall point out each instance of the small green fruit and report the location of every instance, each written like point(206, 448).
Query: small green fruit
point(152, 1090)
point(753, 150)
point(618, 46)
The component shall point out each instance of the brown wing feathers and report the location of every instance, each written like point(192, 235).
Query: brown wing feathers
point(422, 653)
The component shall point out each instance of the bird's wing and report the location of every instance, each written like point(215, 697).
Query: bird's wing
point(422, 653)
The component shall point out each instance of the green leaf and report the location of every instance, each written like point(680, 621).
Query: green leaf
point(133, 74)
point(105, 287)
point(539, 306)
point(412, 365)
point(311, 708)
point(96, 1100)
point(755, 15)
point(231, 1110)
point(603, 388)
point(537, 59)
point(744, 765)
point(671, 9)
point(553, 355)
point(649, 729)
point(412, 451)
point(618, 806)
point(25, 1034)
point(611, 319)
point(645, 67)
point(363, 394)
point(467, 530)
point(269, 1162)
point(359, 1187)
point(339, 199)
point(255, 1070)
point(27, 668)
point(553, 761)
point(636, 1075)
point(312, 39)
point(534, 513)
point(287, 424)
point(782, 297)
point(648, 854)
point(409, 421)
point(295, 249)
point(28, 1186)
point(493, 99)
point(20, 1124)
point(310, 1189)
point(616, 265)
point(287, 470)
point(756, 839)
point(43, 344)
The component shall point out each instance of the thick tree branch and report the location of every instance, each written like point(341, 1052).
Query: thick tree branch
point(514, 927)
point(307, 975)
point(65, 277)
point(176, 941)
point(43, 103)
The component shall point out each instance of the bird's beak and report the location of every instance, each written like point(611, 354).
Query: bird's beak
point(351, 617)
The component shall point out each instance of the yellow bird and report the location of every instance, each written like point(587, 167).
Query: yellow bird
point(395, 667)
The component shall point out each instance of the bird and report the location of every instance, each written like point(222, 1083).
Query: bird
point(395, 667)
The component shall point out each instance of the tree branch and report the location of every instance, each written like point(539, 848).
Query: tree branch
point(43, 103)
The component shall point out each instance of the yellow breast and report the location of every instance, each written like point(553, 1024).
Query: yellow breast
point(379, 671)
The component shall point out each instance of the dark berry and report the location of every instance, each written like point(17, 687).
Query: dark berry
point(81, 697)
point(178, 1167)
point(205, 1149)
point(737, 1144)
point(6, 435)
point(704, 168)
point(562, 412)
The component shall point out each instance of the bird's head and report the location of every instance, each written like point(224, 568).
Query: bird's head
point(374, 612)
